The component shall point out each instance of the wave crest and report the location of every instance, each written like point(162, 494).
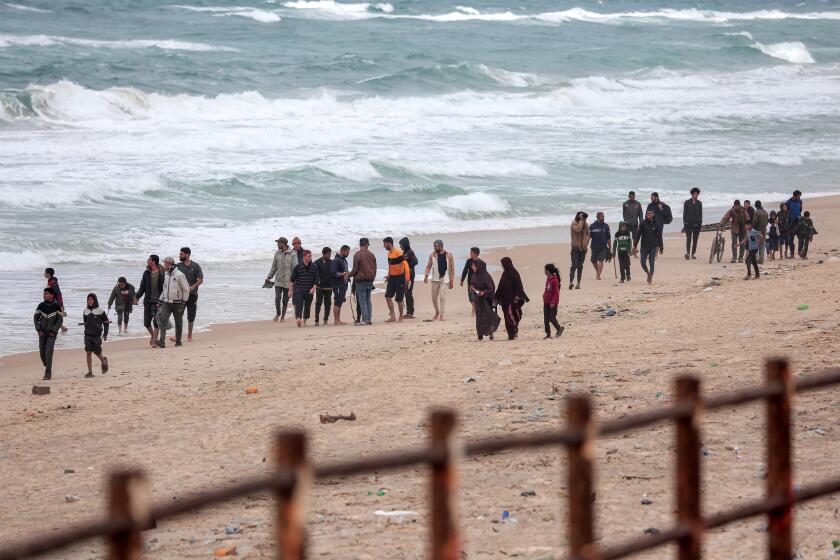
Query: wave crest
point(54, 40)
point(794, 52)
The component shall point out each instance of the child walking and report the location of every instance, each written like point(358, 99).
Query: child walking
point(773, 236)
point(551, 299)
point(96, 323)
point(752, 239)
point(52, 282)
point(805, 232)
point(621, 247)
point(122, 298)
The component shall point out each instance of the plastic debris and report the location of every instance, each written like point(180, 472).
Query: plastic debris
point(714, 364)
point(659, 394)
point(251, 391)
point(802, 307)
point(232, 530)
point(527, 493)
point(818, 431)
point(398, 516)
point(652, 531)
point(707, 289)
point(646, 502)
point(70, 498)
point(40, 390)
point(705, 452)
point(470, 380)
point(69, 471)
point(225, 551)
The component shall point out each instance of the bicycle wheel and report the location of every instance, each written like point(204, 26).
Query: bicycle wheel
point(721, 247)
point(713, 250)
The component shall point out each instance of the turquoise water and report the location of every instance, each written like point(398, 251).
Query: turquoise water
point(135, 127)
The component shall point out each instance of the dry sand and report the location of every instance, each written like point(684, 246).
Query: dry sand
point(183, 416)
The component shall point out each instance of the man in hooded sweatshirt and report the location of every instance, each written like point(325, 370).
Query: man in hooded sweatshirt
point(96, 324)
point(48, 321)
point(412, 261)
point(580, 244)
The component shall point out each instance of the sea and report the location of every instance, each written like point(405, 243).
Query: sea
point(137, 127)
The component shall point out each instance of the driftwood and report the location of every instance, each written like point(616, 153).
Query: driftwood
point(328, 419)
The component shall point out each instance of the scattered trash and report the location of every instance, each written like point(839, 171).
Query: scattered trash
point(70, 498)
point(69, 471)
point(225, 551)
point(31, 413)
point(507, 518)
point(610, 312)
point(714, 364)
point(818, 431)
point(40, 390)
point(251, 391)
point(399, 517)
point(652, 531)
point(659, 394)
point(707, 289)
point(836, 545)
point(505, 515)
point(381, 492)
point(646, 502)
point(802, 307)
point(527, 493)
point(328, 419)
point(470, 380)
point(705, 452)
point(232, 530)
point(745, 332)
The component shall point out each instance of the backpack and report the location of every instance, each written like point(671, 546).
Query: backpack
point(667, 216)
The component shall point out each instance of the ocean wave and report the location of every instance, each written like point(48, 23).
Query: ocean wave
point(794, 52)
point(22, 8)
point(256, 14)
point(453, 77)
point(475, 168)
point(54, 40)
point(23, 260)
point(329, 9)
point(61, 194)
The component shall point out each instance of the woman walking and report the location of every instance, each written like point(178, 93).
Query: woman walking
point(511, 296)
point(551, 299)
point(483, 287)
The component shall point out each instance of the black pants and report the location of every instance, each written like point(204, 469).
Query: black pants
point(634, 231)
point(46, 345)
point(578, 258)
point(149, 313)
point(323, 298)
point(752, 260)
point(804, 241)
point(692, 235)
point(303, 305)
point(624, 265)
point(192, 307)
point(550, 318)
point(122, 317)
point(281, 300)
point(513, 314)
point(648, 256)
point(409, 298)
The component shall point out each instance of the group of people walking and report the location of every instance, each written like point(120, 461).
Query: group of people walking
point(167, 291)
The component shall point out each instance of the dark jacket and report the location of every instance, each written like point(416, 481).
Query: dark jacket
point(96, 322)
point(324, 273)
point(661, 212)
point(146, 285)
point(760, 219)
point(650, 235)
point(305, 277)
point(692, 213)
point(632, 213)
point(409, 255)
point(338, 267)
point(364, 266)
point(48, 318)
point(117, 301)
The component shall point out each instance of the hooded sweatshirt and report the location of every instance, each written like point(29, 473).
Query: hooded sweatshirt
point(623, 240)
point(95, 320)
point(410, 257)
point(48, 318)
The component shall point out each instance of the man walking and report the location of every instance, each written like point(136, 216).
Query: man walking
point(363, 274)
point(195, 277)
point(396, 280)
point(339, 272)
point(173, 298)
point(285, 261)
point(48, 321)
point(737, 219)
point(599, 234)
point(692, 222)
point(323, 295)
point(466, 274)
point(412, 261)
point(580, 244)
point(633, 215)
point(794, 205)
point(661, 211)
point(759, 223)
point(305, 282)
point(750, 212)
point(440, 264)
point(650, 237)
point(151, 286)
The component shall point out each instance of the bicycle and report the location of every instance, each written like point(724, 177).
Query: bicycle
point(718, 246)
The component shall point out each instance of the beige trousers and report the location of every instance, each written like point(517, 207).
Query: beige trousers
point(439, 297)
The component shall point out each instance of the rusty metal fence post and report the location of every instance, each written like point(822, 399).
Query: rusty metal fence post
point(581, 457)
point(688, 468)
point(127, 501)
point(446, 542)
point(779, 475)
point(290, 456)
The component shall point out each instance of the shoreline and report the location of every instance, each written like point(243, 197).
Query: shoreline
point(491, 241)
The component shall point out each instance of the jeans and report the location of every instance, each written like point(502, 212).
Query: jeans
point(122, 317)
point(46, 345)
point(578, 258)
point(692, 235)
point(303, 305)
point(323, 298)
point(762, 247)
point(281, 300)
point(648, 255)
point(550, 318)
point(752, 260)
point(363, 291)
point(737, 251)
point(164, 312)
point(624, 265)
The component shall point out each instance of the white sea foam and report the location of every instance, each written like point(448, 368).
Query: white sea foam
point(22, 8)
point(54, 40)
point(746, 34)
point(21, 261)
point(355, 170)
point(475, 203)
point(256, 14)
point(794, 52)
point(512, 79)
point(329, 9)
point(474, 168)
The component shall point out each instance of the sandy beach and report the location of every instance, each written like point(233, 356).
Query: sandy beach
point(182, 414)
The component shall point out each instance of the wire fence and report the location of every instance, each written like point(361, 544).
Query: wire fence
point(131, 512)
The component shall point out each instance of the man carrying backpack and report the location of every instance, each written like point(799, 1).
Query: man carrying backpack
point(661, 212)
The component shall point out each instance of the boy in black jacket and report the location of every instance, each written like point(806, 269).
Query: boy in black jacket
point(48, 321)
point(96, 323)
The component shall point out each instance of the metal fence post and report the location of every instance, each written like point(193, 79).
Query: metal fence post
point(290, 456)
point(128, 501)
point(580, 482)
point(446, 542)
point(779, 475)
point(688, 468)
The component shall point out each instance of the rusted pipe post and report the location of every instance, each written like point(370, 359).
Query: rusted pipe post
point(128, 501)
point(290, 456)
point(446, 542)
point(688, 468)
point(779, 472)
point(580, 482)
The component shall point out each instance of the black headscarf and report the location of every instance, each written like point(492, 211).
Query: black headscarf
point(510, 290)
point(482, 281)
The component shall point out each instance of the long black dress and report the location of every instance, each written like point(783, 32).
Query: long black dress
point(486, 318)
point(511, 296)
